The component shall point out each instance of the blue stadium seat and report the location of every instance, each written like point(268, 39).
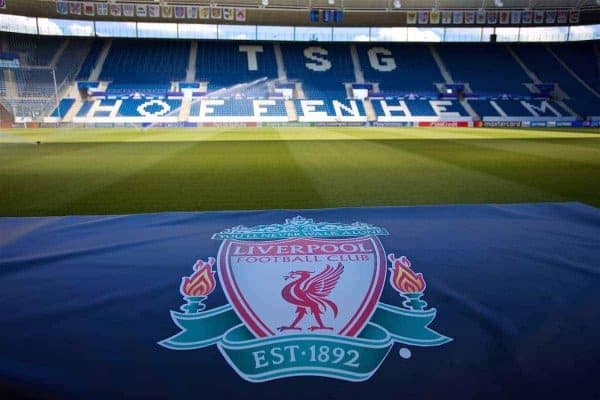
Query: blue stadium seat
point(408, 69)
point(63, 108)
point(324, 75)
point(489, 68)
point(548, 69)
point(226, 64)
point(90, 61)
point(146, 61)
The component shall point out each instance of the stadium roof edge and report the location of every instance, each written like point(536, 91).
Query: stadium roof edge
point(357, 13)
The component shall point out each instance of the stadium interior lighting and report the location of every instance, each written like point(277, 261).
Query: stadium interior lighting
point(332, 2)
point(498, 3)
point(397, 4)
point(265, 3)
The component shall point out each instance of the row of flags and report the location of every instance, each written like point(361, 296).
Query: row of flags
point(150, 11)
point(492, 17)
point(427, 17)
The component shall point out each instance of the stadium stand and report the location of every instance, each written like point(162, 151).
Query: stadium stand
point(400, 69)
point(548, 69)
point(493, 72)
point(185, 81)
point(230, 64)
point(323, 69)
point(145, 66)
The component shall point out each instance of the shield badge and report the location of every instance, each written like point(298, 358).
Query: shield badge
point(303, 285)
point(303, 300)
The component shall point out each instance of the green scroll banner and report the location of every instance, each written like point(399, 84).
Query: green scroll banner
point(262, 359)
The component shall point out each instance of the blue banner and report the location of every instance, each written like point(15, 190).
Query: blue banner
point(413, 302)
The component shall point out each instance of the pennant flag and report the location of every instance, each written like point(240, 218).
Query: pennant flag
point(154, 11)
point(481, 17)
point(216, 13)
point(298, 303)
point(75, 8)
point(492, 17)
point(504, 17)
point(423, 17)
point(527, 17)
point(538, 17)
point(179, 12)
point(228, 14)
point(192, 12)
point(515, 17)
point(457, 17)
point(141, 10)
point(128, 10)
point(115, 10)
point(434, 17)
point(562, 17)
point(167, 11)
point(551, 17)
point(574, 17)
point(411, 17)
point(62, 7)
point(102, 9)
point(446, 17)
point(204, 13)
point(240, 14)
point(469, 17)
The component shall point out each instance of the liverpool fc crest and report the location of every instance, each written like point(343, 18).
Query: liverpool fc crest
point(304, 300)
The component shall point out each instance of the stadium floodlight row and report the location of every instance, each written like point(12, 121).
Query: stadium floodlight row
point(130, 81)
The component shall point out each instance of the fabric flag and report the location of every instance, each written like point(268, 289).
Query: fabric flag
point(167, 11)
point(179, 12)
point(527, 17)
point(129, 10)
point(62, 7)
point(481, 17)
point(141, 10)
point(538, 17)
point(492, 17)
point(574, 17)
point(240, 14)
point(102, 9)
point(2, 4)
point(457, 17)
point(75, 8)
point(192, 12)
point(434, 17)
point(515, 17)
point(504, 17)
point(389, 302)
point(446, 17)
point(89, 9)
point(228, 13)
point(115, 10)
point(411, 17)
point(423, 17)
point(551, 17)
point(216, 13)
point(469, 17)
point(154, 11)
point(562, 17)
point(204, 13)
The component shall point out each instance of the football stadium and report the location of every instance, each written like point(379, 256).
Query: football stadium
point(305, 199)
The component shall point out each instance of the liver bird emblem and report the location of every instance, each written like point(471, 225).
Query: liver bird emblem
point(309, 292)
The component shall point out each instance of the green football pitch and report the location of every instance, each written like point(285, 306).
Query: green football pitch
point(117, 171)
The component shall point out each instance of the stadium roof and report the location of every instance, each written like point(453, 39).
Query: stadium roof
point(380, 13)
point(390, 4)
